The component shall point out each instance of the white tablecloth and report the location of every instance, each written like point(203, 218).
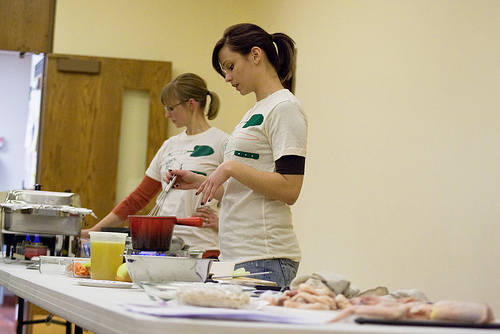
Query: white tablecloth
point(100, 310)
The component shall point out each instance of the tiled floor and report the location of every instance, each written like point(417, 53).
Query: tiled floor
point(8, 315)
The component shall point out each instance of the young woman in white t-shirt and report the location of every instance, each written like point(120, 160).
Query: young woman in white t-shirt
point(199, 148)
point(264, 158)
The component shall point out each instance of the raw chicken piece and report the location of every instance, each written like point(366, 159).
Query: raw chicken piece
point(407, 308)
point(320, 291)
point(410, 307)
point(342, 301)
point(376, 311)
point(419, 311)
point(467, 312)
point(306, 297)
point(389, 310)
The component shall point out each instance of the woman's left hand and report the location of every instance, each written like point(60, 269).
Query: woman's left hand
point(210, 218)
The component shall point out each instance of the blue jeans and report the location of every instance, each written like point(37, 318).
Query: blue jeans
point(282, 271)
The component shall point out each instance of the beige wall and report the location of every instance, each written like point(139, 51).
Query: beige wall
point(402, 186)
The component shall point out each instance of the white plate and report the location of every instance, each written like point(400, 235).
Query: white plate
point(105, 284)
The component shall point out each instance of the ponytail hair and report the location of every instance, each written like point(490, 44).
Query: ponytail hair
point(213, 108)
point(191, 86)
point(241, 38)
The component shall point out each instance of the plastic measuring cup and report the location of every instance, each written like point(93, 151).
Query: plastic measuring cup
point(106, 254)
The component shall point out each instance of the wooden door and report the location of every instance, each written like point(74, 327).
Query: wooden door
point(81, 117)
point(27, 25)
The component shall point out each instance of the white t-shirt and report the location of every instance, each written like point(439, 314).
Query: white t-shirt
point(200, 153)
point(252, 226)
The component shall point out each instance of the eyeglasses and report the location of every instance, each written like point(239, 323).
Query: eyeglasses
point(171, 108)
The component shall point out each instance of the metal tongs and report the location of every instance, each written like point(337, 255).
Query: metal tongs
point(162, 196)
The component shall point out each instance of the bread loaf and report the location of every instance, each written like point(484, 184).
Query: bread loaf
point(214, 295)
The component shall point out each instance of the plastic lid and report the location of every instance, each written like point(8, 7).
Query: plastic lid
point(108, 236)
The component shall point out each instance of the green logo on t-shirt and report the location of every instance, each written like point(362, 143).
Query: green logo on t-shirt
point(254, 120)
point(202, 151)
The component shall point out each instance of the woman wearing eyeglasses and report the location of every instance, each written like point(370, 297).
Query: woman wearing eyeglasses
point(199, 148)
point(264, 158)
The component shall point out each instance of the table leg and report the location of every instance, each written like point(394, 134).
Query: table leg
point(20, 315)
point(21, 322)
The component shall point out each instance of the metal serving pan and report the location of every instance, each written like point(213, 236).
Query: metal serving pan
point(43, 197)
point(42, 212)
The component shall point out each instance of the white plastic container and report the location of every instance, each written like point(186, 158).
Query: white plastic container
point(222, 269)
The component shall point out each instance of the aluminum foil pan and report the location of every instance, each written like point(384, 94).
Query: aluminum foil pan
point(42, 212)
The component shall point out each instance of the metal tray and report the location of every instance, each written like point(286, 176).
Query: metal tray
point(43, 197)
point(42, 212)
point(36, 221)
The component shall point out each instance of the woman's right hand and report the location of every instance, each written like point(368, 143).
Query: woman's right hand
point(84, 234)
point(111, 220)
point(211, 187)
point(185, 179)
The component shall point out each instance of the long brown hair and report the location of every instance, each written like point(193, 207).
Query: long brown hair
point(191, 86)
point(241, 38)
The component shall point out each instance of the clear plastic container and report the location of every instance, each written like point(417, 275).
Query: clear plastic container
point(54, 265)
point(80, 267)
point(106, 253)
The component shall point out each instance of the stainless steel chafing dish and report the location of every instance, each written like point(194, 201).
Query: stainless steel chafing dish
point(42, 212)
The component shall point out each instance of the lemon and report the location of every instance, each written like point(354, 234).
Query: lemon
point(122, 273)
